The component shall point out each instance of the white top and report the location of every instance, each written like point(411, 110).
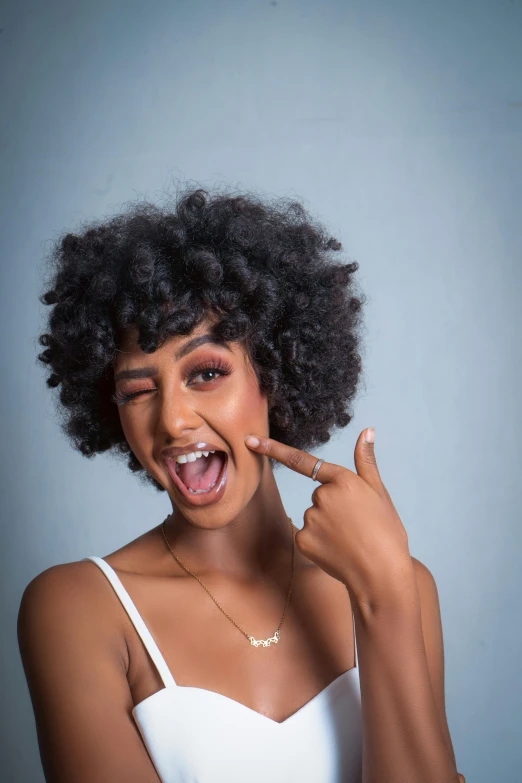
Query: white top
point(194, 735)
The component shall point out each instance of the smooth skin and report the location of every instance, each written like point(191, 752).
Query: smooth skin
point(85, 665)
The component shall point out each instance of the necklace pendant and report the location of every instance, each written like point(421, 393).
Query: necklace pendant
point(264, 642)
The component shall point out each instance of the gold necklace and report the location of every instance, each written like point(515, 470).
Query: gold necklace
point(254, 642)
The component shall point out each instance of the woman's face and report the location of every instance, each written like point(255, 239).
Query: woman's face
point(193, 395)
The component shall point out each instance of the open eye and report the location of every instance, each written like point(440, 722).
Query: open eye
point(213, 369)
point(210, 371)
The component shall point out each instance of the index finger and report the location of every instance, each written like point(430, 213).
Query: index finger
point(295, 459)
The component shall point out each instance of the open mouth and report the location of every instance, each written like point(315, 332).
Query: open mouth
point(201, 479)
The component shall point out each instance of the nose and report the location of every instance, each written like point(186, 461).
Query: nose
point(176, 416)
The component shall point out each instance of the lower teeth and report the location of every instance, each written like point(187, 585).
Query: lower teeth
point(201, 491)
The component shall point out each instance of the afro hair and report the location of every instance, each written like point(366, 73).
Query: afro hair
point(266, 272)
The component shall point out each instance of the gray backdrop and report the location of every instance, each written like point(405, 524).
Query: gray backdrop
point(399, 124)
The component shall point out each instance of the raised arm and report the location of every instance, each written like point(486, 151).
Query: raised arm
point(75, 663)
point(354, 533)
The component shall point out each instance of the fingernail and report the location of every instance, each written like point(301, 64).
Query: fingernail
point(250, 440)
point(369, 435)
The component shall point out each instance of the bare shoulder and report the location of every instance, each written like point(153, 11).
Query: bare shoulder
point(76, 660)
point(432, 631)
point(64, 600)
point(61, 586)
point(428, 593)
point(422, 572)
point(431, 620)
point(76, 599)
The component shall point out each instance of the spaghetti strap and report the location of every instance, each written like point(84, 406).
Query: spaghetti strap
point(355, 644)
point(137, 620)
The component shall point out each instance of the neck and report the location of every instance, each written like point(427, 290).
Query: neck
point(248, 547)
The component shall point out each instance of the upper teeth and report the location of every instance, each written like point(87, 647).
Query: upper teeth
point(192, 456)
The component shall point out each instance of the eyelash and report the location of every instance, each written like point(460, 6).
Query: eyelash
point(217, 366)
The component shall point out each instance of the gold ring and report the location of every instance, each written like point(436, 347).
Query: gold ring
point(316, 468)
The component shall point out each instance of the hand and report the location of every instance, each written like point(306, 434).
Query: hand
point(352, 530)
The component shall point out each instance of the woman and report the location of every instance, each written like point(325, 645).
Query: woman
point(225, 644)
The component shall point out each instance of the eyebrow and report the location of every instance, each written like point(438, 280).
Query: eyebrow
point(191, 345)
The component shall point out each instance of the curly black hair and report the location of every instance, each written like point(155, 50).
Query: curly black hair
point(264, 267)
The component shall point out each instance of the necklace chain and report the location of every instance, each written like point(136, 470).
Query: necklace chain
point(254, 642)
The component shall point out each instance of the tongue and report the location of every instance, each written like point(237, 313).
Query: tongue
point(203, 472)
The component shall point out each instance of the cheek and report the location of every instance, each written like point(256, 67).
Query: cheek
point(246, 411)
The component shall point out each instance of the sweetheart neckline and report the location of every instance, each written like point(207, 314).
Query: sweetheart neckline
point(240, 704)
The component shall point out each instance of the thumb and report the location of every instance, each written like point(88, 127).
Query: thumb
point(365, 462)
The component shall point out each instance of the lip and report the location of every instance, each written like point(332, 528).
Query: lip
point(175, 451)
point(208, 498)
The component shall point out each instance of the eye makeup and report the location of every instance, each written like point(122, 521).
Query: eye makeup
point(216, 365)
